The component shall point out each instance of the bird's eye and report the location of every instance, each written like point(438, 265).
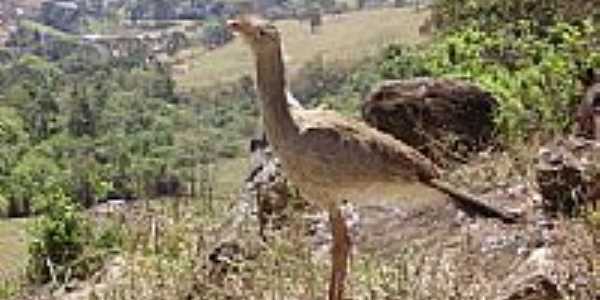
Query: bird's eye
point(261, 33)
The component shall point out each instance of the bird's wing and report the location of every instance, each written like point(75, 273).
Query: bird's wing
point(354, 142)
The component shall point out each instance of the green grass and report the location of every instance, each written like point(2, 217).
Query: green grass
point(13, 246)
point(345, 39)
point(35, 26)
point(227, 177)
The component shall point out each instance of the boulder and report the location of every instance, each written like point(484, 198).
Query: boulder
point(444, 119)
point(568, 176)
point(533, 279)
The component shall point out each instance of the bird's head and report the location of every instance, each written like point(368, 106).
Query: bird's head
point(262, 36)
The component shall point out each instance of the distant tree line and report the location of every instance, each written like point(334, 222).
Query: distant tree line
point(105, 130)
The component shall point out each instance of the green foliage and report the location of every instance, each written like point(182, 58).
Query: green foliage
point(59, 238)
point(215, 33)
point(101, 129)
point(318, 78)
point(13, 139)
point(65, 245)
point(3, 205)
point(83, 129)
point(8, 289)
point(495, 14)
point(533, 73)
point(30, 182)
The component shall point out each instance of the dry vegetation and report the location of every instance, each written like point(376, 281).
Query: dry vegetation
point(13, 246)
point(345, 38)
point(428, 255)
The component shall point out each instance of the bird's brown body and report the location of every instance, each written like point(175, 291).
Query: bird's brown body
point(332, 158)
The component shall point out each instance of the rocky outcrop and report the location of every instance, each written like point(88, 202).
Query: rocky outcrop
point(568, 176)
point(533, 279)
point(445, 119)
point(438, 251)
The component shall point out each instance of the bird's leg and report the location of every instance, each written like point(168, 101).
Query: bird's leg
point(339, 253)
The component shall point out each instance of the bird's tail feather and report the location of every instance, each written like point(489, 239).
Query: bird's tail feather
point(472, 203)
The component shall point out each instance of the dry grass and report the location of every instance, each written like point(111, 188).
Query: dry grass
point(225, 181)
point(228, 175)
point(13, 247)
point(421, 258)
point(346, 38)
point(173, 266)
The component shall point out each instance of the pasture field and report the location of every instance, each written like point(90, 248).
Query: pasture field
point(13, 246)
point(344, 38)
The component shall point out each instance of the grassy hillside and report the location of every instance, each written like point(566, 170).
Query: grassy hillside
point(13, 247)
point(348, 37)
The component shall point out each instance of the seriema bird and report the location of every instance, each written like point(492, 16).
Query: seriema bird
point(331, 158)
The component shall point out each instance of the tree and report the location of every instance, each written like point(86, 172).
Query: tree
point(13, 144)
point(215, 34)
point(29, 182)
point(13, 139)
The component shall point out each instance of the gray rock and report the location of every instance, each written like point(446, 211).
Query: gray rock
point(533, 279)
point(568, 176)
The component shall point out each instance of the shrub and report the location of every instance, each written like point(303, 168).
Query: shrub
point(215, 34)
point(319, 78)
point(533, 75)
point(494, 14)
point(65, 245)
point(30, 182)
point(58, 240)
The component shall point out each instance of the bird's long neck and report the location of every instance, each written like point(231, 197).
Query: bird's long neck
point(271, 85)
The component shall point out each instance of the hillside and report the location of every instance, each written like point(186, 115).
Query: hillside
point(346, 38)
point(13, 247)
point(124, 178)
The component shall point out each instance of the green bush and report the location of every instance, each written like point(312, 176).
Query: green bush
point(81, 126)
point(533, 75)
point(528, 53)
point(215, 34)
point(318, 78)
point(30, 182)
point(494, 14)
point(58, 240)
point(64, 243)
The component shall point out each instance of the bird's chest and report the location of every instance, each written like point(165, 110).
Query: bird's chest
point(301, 169)
point(325, 184)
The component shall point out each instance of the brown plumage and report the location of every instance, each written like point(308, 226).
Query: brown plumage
point(332, 158)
